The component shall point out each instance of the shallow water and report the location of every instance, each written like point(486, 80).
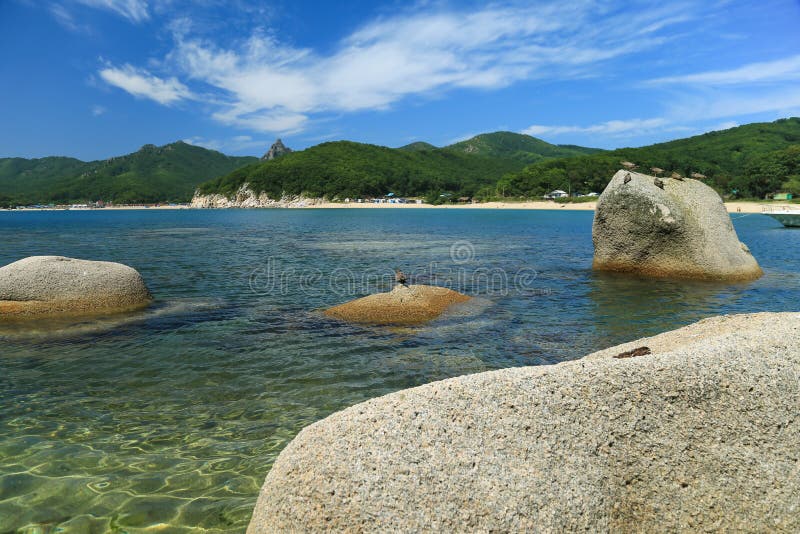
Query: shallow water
point(170, 419)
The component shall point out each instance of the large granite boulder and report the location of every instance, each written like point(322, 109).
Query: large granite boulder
point(54, 285)
point(702, 434)
point(403, 305)
point(678, 230)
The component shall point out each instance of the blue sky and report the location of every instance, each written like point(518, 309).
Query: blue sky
point(97, 78)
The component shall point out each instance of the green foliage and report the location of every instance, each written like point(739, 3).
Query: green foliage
point(355, 170)
point(32, 178)
point(510, 145)
point(416, 147)
point(768, 173)
point(346, 169)
point(748, 161)
point(755, 159)
point(153, 174)
point(7, 202)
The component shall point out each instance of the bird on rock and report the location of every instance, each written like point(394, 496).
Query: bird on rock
point(400, 277)
point(658, 183)
point(677, 176)
point(627, 178)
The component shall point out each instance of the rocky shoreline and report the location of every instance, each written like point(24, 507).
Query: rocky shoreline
point(699, 434)
point(245, 197)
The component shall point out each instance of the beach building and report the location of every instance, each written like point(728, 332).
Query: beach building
point(558, 193)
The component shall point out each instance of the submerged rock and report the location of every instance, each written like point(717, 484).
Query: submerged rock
point(667, 228)
point(701, 434)
point(403, 305)
point(54, 285)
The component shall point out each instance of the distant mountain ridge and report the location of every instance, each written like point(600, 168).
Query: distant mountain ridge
point(752, 160)
point(507, 145)
point(517, 146)
point(168, 173)
point(748, 160)
point(418, 146)
point(344, 169)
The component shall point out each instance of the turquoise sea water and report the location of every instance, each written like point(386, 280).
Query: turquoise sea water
point(170, 419)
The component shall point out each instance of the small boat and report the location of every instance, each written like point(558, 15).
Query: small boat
point(789, 217)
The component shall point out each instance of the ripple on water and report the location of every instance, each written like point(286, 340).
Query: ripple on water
point(169, 420)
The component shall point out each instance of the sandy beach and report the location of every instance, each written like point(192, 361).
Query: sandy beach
point(732, 207)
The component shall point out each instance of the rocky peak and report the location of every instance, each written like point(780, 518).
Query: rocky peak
point(277, 150)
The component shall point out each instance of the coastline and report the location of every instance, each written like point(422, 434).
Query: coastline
point(732, 207)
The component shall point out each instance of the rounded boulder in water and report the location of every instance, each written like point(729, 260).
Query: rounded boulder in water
point(58, 286)
point(404, 305)
point(667, 228)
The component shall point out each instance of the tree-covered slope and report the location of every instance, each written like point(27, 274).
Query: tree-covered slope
point(517, 146)
point(731, 159)
point(20, 176)
point(169, 173)
point(417, 146)
point(346, 169)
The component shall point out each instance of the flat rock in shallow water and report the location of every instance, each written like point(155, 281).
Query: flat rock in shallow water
point(54, 285)
point(403, 305)
point(701, 434)
point(679, 230)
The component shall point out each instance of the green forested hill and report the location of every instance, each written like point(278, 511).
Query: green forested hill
point(746, 161)
point(516, 146)
point(417, 146)
point(169, 173)
point(20, 176)
point(346, 169)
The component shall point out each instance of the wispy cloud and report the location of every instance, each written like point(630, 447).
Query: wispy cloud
point(141, 83)
point(727, 125)
point(609, 128)
point(66, 19)
point(98, 110)
point(718, 105)
point(261, 84)
point(781, 70)
point(234, 144)
point(133, 10)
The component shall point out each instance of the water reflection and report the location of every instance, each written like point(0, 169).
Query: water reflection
point(628, 307)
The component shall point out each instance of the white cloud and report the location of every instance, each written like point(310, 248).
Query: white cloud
point(608, 128)
point(141, 83)
point(780, 102)
point(133, 10)
point(781, 70)
point(263, 85)
point(237, 143)
point(98, 110)
point(65, 18)
point(727, 125)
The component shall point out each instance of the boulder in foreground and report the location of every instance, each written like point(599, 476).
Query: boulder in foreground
point(677, 229)
point(700, 435)
point(54, 285)
point(403, 305)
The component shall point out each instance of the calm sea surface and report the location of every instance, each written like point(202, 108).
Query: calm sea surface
point(171, 418)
